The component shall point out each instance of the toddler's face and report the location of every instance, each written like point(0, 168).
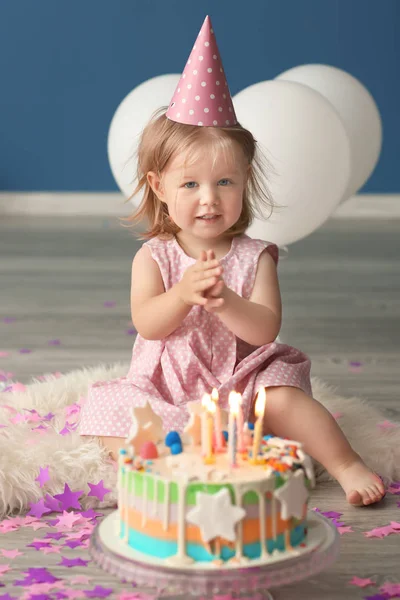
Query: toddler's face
point(204, 201)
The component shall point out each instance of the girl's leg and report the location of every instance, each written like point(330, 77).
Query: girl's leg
point(290, 413)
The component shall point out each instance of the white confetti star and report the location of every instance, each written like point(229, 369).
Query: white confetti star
point(292, 496)
point(215, 515)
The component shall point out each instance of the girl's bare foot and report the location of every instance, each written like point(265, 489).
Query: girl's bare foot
point(361, 485)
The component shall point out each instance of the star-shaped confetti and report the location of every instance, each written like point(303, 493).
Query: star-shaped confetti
point(38, 509)
point(11, 553)
point(346, 529)
point(73, 562)
point(67, 520)
point(68, 498)
point(43, 476)
point(98, 490)
point(98, 592)
point(393, 589)
point(362, 583)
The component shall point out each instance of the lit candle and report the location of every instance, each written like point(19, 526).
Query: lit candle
point(240, 425)
point(210, 408)
point(218, 426)
point(232, 428)
point(259, 412)
point(204, 402)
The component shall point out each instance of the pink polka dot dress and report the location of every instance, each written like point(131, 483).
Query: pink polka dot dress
point(202, 353)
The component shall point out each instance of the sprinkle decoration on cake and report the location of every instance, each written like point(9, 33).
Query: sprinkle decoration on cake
point(217, 494)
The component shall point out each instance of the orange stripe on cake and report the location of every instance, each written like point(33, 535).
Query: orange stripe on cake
point(155, 528)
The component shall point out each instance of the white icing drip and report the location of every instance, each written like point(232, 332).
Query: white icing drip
point(181, 558)
point(261, 504)
point(239, 530)
point(273, 517)
point(166, 505)
point(144, 504)
point(155, 497)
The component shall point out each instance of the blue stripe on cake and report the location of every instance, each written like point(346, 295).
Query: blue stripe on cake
point(164, 548)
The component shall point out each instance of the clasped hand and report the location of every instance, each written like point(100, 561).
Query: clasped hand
point(202, 283)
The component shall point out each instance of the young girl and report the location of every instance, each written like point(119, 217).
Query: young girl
point(205, 299)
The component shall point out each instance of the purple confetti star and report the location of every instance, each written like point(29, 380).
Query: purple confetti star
point(9, 319)
point(54, 342)
point(43, 476)
point(38, 509)
point(377, 597)
point(332, 514)
point(91, 514)
point(53, 504)
point(131, 331)
point(48, 417)
point(73, 544)
point(98, 490)
point(38, 545)
point(57, 535)
point(109, 304)
point(69, 499)
point(72, 562)
point(98, 592)
point(25, 351)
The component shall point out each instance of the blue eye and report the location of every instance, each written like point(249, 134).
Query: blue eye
point(224, 180)
point(188, 183)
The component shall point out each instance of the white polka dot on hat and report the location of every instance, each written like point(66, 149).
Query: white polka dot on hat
point(202, 96)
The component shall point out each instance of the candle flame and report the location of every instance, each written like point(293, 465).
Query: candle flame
point(234, 402)
point(214, 395)
point(260, 402)
point(211, 407)
point(205, 401)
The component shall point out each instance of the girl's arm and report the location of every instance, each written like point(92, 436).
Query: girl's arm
point(155, 312)
point(257, 321)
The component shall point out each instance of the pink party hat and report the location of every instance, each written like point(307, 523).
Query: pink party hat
point(202, 96)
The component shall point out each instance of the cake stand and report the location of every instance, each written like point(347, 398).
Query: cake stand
point(249, 581)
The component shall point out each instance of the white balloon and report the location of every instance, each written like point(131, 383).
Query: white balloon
point(128, 123)
point(309, 149)
point(357, 110)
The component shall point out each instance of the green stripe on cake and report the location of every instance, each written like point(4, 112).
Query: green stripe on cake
point(136, 481)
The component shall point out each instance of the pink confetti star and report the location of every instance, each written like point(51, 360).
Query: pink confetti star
point(358, 581)
point(4, 569)
point(51, 550)
point(378, 532)
point(393, 589)
point(67, 520)
point(346, 529)
point(386, 425)
point(11, 553)
point(81, 580)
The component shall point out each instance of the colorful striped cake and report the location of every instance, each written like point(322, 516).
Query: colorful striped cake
point(185, 509)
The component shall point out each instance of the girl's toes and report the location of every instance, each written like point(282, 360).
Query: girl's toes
point(355, 498)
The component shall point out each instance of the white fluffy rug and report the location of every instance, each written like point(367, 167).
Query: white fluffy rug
point(79, 461)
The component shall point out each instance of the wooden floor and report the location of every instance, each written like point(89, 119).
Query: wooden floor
point(340, 289)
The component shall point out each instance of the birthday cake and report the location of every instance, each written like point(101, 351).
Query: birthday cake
point(216, 493)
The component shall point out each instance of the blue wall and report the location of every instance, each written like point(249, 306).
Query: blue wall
point(65, 65)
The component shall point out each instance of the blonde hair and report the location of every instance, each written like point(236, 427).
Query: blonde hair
point(162, 139)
